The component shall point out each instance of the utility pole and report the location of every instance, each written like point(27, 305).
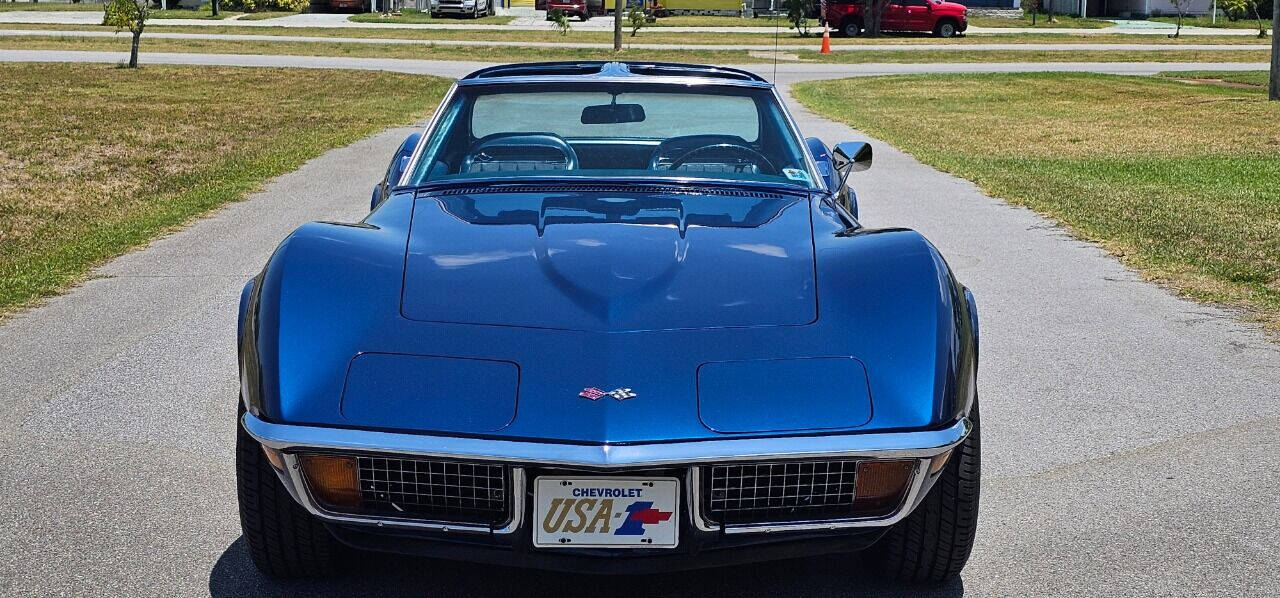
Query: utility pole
point(617, 25)
point(1274, 92)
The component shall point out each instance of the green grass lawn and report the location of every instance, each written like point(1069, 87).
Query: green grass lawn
point(427, 51)
point(1178, 180)
point(1223, 22)
point(1256, 78)
point(1041, 21)
point(660, 35)
point(410, 15)
point(6, 6)
point(204, 12)
point(130, 154)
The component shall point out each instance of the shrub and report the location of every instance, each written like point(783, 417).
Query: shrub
point(636, 19)
point(265, 5)
point(798, 15)
point(561, 21)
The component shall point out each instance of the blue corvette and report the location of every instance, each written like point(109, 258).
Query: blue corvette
point(610, 317)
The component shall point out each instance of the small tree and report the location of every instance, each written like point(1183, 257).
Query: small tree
point(131, 15)
point(1244, 7)
point(561, 21)
point(1031, 7)
point(798, 15)
point(636, 19)
point(1182, 6)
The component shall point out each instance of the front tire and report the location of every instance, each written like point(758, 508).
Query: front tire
point(284, 540)
point(933, 543)
point(945, 29)
point(851, 28)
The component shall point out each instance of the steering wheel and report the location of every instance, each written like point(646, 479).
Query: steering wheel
point(754, 156)
point(522, 140)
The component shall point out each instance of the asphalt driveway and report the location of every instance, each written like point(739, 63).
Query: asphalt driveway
point(1131, 437)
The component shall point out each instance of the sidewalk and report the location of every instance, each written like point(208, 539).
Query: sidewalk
point(529, 23)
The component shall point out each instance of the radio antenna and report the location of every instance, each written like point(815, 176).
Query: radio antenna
point(775, 47)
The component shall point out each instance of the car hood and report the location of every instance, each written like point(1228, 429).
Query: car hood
point(611, 260)
point(521, 336)
point(951, 8)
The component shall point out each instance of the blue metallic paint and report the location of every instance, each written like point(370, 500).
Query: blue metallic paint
point(527, 267)
point(439, 393)
point(331, 291)
point(573, 304)
point(772, 395)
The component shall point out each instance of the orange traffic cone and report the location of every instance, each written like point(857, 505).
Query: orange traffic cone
point(826, 40)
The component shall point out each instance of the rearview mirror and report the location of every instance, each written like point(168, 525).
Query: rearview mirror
point(851, 156)
point(612, 114)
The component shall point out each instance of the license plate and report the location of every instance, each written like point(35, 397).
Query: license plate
point(606, 512)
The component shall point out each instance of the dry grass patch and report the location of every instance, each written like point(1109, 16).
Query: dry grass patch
point(1178, 180)
point(95, 160)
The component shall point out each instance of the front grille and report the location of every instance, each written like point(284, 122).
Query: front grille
point(779, 492)
point(444, 491)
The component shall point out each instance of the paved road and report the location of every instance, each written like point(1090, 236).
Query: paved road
point(784, 73)
point(1005, 47)
point(340, 20)
point(1131, 437)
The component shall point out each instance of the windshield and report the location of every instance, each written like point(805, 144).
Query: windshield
point(600, 130)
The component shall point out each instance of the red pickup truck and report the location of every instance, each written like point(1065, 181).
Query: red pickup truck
point(583, 9)
point(938, 17)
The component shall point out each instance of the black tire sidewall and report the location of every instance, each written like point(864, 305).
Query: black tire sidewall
point(934, 542)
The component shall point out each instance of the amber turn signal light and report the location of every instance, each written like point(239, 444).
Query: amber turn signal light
point(881, 485)
point(334, 481)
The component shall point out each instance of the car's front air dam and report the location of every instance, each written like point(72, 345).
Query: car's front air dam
point(697, 550)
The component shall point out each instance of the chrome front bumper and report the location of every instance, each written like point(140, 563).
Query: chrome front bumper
point(923, 446)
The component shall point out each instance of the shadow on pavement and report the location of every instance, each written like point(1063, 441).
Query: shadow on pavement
point(391, 576)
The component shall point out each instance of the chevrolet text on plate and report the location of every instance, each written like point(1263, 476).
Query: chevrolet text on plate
point(610, 317)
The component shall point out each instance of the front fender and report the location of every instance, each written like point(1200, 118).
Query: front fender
point(896, 301)
point(305, 314)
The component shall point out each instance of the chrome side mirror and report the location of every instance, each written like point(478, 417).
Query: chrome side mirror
point(851, 156)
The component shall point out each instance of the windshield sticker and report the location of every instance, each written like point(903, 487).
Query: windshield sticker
point(796, 174)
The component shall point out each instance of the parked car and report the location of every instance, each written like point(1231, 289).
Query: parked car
point(610, 317)
point(348, 5)
point(582, 9)
point(467, 8)
point(941, 18)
